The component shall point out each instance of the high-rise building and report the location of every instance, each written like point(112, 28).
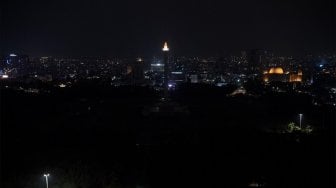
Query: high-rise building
point(255, 59)
point(138, 73)
point(135, 72)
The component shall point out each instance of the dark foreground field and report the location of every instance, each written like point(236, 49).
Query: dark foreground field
point(93, 137)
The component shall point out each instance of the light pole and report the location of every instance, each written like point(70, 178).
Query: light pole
point(46, 176)
point(300, 115)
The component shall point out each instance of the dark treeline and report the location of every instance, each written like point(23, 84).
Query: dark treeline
point(93, 136)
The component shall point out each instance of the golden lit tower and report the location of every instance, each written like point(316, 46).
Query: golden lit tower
point(165, 50)
point(165, 47)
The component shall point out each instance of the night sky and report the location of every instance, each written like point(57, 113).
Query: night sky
point(138, 28)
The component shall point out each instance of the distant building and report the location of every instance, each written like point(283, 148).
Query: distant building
point(16, 64)
point(277, 74)
point(254, 58)
point(296, 77)
point(157, 67)
point(194, 78)
point(135, 72)
point(239, 91)
point(177, 77)
point(257, 60)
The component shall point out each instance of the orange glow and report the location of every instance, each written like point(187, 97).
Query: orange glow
point(295, 78)
point(300, 72)
point(266, 79)
point(276, 70)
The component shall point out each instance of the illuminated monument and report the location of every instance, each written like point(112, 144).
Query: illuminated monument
point(165, 107)
point(165, 50)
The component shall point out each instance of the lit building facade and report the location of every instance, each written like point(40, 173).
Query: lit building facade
point(277, 74)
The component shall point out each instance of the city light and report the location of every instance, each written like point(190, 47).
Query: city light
point(4, 76)
point(62, 85)
point(12, 55)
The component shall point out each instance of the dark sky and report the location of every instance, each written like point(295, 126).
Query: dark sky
point(129, 28)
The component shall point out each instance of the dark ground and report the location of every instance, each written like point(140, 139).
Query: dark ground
point(94, 137)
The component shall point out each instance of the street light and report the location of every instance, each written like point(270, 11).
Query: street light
point(300, 115)
point(46, 176)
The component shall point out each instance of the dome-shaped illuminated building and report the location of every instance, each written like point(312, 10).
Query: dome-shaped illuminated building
point(276, 70)
point(277, 74)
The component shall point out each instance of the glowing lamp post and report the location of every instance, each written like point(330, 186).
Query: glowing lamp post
point(300, 116)
point(46, 176)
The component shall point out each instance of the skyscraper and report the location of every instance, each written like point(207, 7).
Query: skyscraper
point(254, 61)
point(135, 72)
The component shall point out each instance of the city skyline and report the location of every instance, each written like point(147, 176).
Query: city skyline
point(177, 93)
